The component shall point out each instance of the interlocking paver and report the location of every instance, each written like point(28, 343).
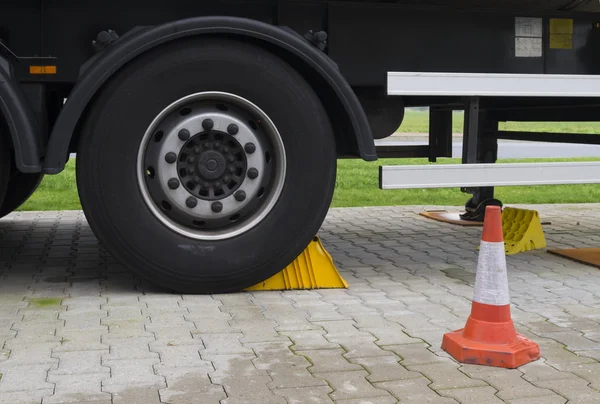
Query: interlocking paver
point(473, 395)
point(187, 384)
point(312, 395)
point(123, 340)
point(243, 390)
point(385, 368)
point(414, 391)
point(509, 382)
point(352, 384)
point(82, 387)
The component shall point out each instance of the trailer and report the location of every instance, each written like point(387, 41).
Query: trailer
point(207, 133)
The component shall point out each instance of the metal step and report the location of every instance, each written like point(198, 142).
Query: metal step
point(487, 175)
point(496, 85)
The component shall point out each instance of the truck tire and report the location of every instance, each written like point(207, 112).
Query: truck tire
point(207, 165)
point(20, 187)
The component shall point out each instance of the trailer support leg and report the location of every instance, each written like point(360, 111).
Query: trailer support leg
point(440, 133)
point(478, 148)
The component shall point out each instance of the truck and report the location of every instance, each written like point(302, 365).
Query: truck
point(207, 133)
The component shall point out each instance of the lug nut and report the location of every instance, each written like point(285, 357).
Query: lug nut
point(231, 169)
point(197, 180)
point(240, 196)
point(197, 150)
point(191, 202)
point(217, 145)
point(205, 184)
point(231, 159)
point(233, 129)
point(191, 159)
point(226, 178)
point(173, 183)
point(217, 184)
point(252, 173)
point(250, 148)
point(226, 150)
point(216, 207)
point(184, 134)
point(170, 157)
point(190, 170)
point(208, 124)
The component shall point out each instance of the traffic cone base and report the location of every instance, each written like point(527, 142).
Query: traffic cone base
point(512, 355)
point(489, 336)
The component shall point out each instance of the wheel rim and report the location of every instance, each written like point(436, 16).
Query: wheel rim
point(211, 166)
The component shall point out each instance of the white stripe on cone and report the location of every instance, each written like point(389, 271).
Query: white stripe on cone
point(491, 280)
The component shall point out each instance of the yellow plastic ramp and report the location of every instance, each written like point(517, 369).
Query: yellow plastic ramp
point(313, 269)
point(522, 229)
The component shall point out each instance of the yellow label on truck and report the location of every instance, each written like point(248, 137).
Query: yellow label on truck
point(561, 33)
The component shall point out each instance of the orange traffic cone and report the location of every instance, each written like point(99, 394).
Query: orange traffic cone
point(489, 336)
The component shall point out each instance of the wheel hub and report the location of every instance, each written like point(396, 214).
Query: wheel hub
point(211, 166)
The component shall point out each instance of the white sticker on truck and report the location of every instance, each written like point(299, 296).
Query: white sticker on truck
point(528, 37)
point(528, 47)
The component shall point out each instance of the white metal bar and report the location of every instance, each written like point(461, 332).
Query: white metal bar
point(484, 175)
point(499, 85)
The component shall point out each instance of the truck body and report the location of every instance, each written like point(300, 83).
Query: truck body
point(207, 133)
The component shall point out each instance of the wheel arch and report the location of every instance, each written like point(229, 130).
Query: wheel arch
point(353, 136)
point(17, 115)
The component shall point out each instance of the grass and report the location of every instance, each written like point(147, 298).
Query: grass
point(357, 185)
point(418, 122)
point(44, 302)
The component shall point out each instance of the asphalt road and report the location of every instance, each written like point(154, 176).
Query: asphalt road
point(514, 149)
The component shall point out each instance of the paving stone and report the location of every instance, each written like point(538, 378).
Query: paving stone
point(309, 340)
point(353, 384)
point(414, 391)
point(375, 400)
point(385, 368)
point(360, 347)
point(415, 354)
point(183, 383)
point(473, 395)
point(312, 395)
point(575, 390)
point(80, 362)
point(27, 397)
point(233, 366)
point(224, 344)
point(329, 360)
point(83, 387)
point(129, 348)
point(508, 382)
point(81, 340)
point(131, 374)
point(24, 378)
point(445, 375)
point(136, 395)
point(556, 399)
point(249, 390)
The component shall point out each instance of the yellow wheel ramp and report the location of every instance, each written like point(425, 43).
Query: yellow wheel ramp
point(313, 269)
point(522, 229)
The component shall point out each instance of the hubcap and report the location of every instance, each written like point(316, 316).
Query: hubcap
point(211, 166)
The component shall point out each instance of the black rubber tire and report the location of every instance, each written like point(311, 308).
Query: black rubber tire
point(20, 187)
point(106, 165)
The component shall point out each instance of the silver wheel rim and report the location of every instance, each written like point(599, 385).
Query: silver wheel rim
point(211, 166)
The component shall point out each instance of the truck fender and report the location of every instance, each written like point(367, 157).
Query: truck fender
point(96, 72)
point(20, 120)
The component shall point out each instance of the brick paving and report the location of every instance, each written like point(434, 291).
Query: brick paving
point(76, 327)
